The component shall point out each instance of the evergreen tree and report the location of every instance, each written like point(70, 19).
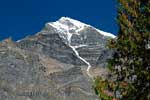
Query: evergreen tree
point(130, 63)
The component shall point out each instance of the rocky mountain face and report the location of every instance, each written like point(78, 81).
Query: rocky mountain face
point(58, 63)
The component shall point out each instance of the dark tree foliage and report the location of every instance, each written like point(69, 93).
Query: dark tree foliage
point(131, 61)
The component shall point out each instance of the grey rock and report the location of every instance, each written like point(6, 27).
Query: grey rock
point(50, 45)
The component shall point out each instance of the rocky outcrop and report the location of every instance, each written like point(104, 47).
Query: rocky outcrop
point(91, 45)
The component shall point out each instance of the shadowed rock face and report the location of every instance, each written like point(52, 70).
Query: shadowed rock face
point(94, 44)
point(50, 45)
point(46, 66)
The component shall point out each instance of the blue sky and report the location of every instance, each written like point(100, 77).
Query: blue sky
point(19, 18)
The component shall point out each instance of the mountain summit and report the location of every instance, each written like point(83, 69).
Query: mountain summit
point(70, 26)
point(57, 62)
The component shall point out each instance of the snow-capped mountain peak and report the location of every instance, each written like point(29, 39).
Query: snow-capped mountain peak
point(68, 36)
point(71, 22)
point(69, 26)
